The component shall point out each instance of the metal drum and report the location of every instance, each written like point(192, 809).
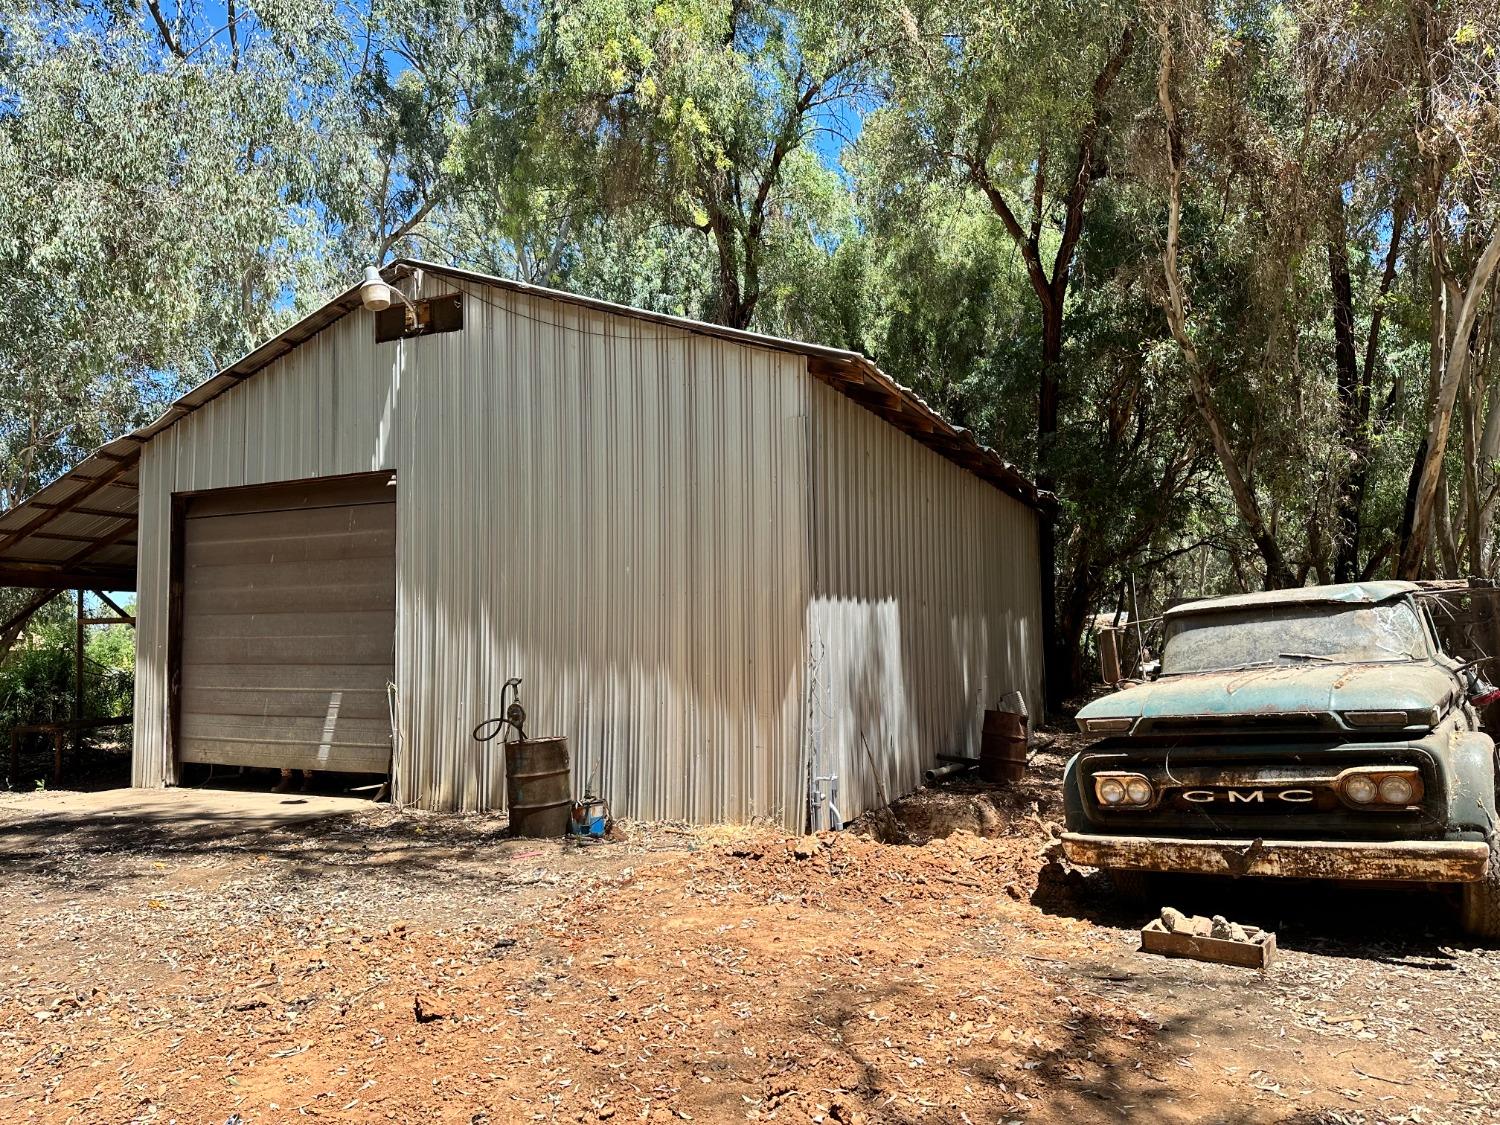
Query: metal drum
point(1002, 749)
point(538, 787)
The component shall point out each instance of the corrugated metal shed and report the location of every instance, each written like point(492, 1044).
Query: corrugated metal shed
point(924, 607)
point(35, 553)
point(679, 534)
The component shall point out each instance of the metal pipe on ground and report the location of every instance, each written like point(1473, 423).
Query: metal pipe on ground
point(950, 769)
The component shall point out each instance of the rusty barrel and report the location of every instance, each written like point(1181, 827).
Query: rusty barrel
point(538, 787)
point(1002, 747)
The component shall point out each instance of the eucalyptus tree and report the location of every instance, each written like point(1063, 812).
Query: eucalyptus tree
point(434, 106)
point(1280, 133)
point(1457, 132)
point(706, 114)
point(150, 224)
point(1015, 102)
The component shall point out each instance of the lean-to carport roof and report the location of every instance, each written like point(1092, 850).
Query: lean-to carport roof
point(80, 529)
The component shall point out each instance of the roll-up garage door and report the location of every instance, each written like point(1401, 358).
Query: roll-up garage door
point(288, 626)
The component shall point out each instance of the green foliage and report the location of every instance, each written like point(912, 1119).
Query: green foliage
point(702, 114)
point(37, 677)
point(898, 178)
point(136, 218)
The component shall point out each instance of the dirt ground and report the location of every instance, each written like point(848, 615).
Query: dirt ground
point(386, 966)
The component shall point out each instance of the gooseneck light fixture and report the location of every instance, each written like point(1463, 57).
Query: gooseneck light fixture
point(376, 294)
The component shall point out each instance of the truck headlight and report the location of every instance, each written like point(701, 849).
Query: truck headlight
point(1380, 787)
point(1395, 790)
point(1105, 726)
point(1124, 790)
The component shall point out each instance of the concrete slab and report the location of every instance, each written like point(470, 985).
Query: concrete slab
point(116, 817)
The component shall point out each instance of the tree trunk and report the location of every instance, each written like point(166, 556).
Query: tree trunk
point(1457, 343)
point(1359, 469)
point(1052, 293)
point(1080, 593)
point(1278, 573)
point(1351, 424)
point(1058, 646)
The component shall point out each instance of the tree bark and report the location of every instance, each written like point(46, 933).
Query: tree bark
point(1359, 469)
point(1452, 370)
point(1278, 573)
point(1060, 644)
point(1346, 367)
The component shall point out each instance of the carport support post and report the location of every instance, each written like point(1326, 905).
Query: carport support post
point(78, 645)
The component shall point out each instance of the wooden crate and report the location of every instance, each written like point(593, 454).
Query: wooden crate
point(1257, 953)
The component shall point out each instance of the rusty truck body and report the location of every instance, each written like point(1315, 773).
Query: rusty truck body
point(1315, 733)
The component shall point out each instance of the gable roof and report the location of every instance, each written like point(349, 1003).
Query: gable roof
point(79, 529)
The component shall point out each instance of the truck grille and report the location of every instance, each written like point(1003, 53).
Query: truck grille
point(1279, 799)
point(1289, 722)
point(1213, 791)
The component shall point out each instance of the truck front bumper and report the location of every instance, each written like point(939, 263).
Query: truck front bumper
point(1406, 861)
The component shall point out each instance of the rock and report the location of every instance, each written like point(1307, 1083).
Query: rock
point(1226, 930)
point(807, 847)
point(1173, 920)
point(427, 1008)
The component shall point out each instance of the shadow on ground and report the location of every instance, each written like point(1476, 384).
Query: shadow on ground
point(1416, 927)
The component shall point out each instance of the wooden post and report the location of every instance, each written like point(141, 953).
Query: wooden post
point(79, 640)
point(15, 757)
point(57, 754)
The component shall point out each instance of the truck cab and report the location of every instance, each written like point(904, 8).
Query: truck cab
point(1313, 733)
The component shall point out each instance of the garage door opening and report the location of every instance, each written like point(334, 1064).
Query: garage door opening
point(285, 622)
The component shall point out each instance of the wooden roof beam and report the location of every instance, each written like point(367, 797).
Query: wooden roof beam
point(48, 515)
point(83, 510)
point(58, 578)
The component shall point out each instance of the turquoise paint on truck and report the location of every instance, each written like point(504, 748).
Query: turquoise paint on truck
point(1273, 735)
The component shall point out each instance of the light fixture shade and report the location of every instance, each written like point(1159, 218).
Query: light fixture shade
point(374, 293)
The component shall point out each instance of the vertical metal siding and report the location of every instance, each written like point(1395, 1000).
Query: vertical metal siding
point(325, 409)
point(925, 607)
point(612, 509)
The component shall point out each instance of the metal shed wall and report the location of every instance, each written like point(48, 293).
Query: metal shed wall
point(925, 608)
point(613, 509)
point(616, 511)
point(327, 408)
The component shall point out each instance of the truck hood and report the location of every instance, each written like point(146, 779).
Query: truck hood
point(1284, 689)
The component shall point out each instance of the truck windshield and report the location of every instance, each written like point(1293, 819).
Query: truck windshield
point(1292, 634)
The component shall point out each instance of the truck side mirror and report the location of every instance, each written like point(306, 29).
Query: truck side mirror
point(1109, 656)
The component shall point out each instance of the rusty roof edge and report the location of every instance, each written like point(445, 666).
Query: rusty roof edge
point(1010, 478)
point(1006, 476)
point(248, 364)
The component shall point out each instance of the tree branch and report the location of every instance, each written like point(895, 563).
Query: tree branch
point(167, 38)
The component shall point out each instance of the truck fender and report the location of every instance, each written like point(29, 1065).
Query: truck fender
point(1472, 770)
point(1074, 816)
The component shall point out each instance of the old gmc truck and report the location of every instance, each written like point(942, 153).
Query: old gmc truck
point(1316, 733)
